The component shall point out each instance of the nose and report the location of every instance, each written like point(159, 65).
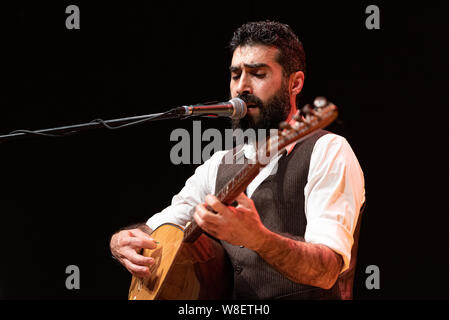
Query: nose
point(244, 85)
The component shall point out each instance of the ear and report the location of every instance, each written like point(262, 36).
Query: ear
point(296, 82)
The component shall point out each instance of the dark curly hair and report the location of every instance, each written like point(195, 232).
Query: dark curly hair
point(270, 33)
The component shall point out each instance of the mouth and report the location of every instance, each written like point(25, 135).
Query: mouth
point(253, 109)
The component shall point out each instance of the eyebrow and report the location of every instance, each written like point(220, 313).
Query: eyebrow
point(249, 66)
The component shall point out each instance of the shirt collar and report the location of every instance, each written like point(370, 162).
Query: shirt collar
point(249, 149)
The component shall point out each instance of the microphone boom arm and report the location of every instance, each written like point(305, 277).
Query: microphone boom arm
point(71, 129)
point(235, 108)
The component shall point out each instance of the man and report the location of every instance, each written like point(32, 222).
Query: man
point(291, 235)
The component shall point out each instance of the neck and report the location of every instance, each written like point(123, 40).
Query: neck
point(293, 111)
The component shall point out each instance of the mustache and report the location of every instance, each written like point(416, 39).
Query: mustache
point(251, 99)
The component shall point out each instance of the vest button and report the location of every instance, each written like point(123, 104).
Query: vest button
point(238, 269)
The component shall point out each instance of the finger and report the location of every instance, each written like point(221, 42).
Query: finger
point(207, 227)
point(242, 210)
point(138, 259)
point(199, 221)
point(215, 204)
point(207, 216)
point(244, 201)
point(136, 270)
point(140, 234)
point(139, 243)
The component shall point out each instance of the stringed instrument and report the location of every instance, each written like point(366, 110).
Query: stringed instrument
point(190, 265)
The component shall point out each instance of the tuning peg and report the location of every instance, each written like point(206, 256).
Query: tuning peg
point(320, 102)
point(307, 109)
point(284, 125)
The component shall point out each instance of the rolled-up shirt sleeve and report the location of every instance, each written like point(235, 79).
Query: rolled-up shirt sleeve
point(182, 206)
point(334, 194)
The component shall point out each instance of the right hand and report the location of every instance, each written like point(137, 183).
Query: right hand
point(126, 246)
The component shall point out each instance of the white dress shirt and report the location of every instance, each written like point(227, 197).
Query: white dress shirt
point(333, 194)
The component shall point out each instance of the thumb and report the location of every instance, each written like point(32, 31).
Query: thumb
point(243, 200)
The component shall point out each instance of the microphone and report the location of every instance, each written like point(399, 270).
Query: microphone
point(234, 108)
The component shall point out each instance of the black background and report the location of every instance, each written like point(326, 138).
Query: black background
point(61, 199)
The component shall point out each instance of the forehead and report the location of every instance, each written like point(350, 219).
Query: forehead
point(255, 54)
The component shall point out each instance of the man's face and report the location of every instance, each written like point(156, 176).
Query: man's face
point(257, 78)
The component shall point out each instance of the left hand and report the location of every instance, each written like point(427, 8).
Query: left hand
point(239, 225)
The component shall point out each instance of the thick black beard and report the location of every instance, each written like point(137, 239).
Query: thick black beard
point(272, 112)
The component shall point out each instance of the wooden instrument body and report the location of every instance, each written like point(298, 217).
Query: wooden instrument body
point(182, 270)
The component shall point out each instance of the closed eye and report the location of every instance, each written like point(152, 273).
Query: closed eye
point(257, 75)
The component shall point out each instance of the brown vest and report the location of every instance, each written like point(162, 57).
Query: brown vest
point(279, 199)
